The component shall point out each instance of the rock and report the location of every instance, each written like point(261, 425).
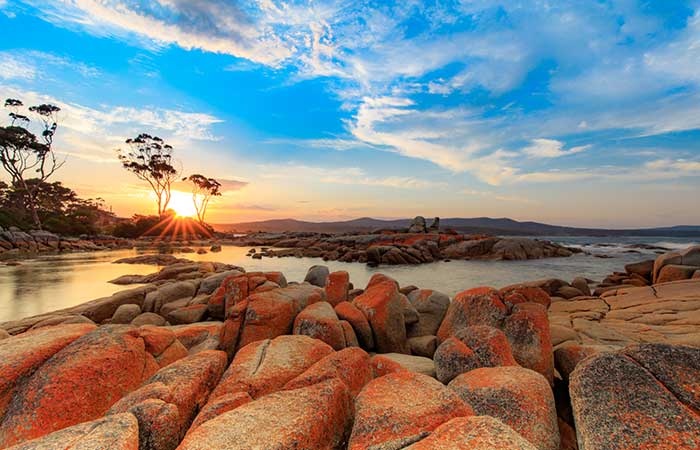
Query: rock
point(118, 432)
point(642, 268)
point(270, 314)
point(162, 344)
point(100, 309)
point(527, 329)
point(431, 307)
point(675, 272)
point(216, 248)
point(100, 367)
point(410, 314)
point(382, 306)
point(569, 292)
point(167, 403)
point(381, 365)
point(379, 278)
point(417, 364)
point(167, 293)
point(125, 314)
point(519, 397)
point(478, 306)
point(474, 433)
point(567, 357)
point(23, 354)
point(187, 314)
point(522, 293)
point(581, 284)
point(317, 275)
point(155, 259)
point(473, 347)
point(418, 225)
point(470, 249)
point(663, 260)
point(212, 282)
point(148, 318)
point(320, 321)
point(351, 366)
point(266, 366)
point(423, 346)
point(337, 287)
point(654, 408)
point(313, 417)
point(350, 313)
point(435, 226)
point(413, 404)
point(4, 334)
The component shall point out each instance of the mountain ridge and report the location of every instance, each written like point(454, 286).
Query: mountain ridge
point(475, 225)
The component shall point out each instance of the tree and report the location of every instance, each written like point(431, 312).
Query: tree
point(22, 153)
point(151, 160)
point(203, 189)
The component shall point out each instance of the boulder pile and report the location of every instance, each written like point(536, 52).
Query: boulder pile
point(418, 245)
point(13, 241)
point(219, 358)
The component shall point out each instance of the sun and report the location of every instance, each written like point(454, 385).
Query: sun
point(181, 203)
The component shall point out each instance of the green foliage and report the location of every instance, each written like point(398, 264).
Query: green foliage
point(59, 208)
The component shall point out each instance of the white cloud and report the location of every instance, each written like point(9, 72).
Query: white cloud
point(14, 68)
point(550, 148)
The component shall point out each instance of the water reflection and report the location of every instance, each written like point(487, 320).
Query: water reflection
point(59, 281)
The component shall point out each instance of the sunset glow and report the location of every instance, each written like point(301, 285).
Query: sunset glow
point(182, 204)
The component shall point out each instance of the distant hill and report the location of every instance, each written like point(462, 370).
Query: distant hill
point(488, 225)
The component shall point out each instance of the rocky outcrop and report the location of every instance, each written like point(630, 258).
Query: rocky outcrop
point(418, 244)
point(14, 242)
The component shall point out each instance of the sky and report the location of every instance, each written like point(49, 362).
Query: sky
point(582, 113)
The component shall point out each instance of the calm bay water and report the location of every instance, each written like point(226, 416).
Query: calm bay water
point(53, 282)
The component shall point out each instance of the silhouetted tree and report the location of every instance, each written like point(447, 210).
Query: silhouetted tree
point(24, 156)
point(203, 189)
point(151, 160)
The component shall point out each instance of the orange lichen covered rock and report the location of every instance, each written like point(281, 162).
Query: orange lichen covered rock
point(200, 336)
point(473, 433)
point(118, 432)
point(519, 397)
point(78, 384)
point(643, 397)
point(378, 278)
point(512, 295)
point(320, 321)
point(399, 409)
point(478, 306)
point(219, 406)
point(271, 313)
point(567, 357)
point(352, 366)
point(22, 354)
point(337, 287)
point(363, 332)
point(472, 347)
point(313, 417)
point(264, 367)
point(527, 329)
point(381, 365)
point(166, 404)
point(382, 305)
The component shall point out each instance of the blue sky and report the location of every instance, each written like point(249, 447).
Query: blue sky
point(579, 113)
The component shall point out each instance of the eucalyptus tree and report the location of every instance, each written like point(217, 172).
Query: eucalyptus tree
point(203, 189)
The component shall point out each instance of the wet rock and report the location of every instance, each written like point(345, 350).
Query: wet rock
point(317, 275)
point(478, 306)
point(413, 404)
point(118, 432)
point(317, 416)
point(519, 397)
point(382, 306)
point(645, 412)
point(473, 347)
point(474, 433)
point(351, 366)
point(350, 313)
point(431, 307)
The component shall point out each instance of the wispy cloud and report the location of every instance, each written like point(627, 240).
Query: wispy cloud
point(550, 148)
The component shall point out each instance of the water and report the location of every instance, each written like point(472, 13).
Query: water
point(52, 282)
